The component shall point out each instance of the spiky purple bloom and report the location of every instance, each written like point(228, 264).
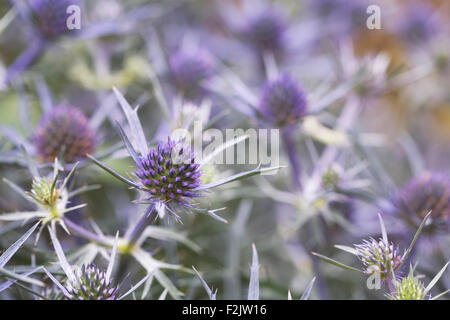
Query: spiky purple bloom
point(189, 70)
point(265, 31)
point(379, 257)
point(418, 25)
point(90, 284)
point(169, 173)
point(51, 16)
point(283, 101)
point(429, 191)
point(64, 131)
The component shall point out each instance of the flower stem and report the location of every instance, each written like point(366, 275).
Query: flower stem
point(293, 158)
point(85, 233)
point(147, 218)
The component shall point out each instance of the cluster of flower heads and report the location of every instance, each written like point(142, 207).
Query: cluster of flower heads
point(90, 283)
point(189, 70)
point(169, 173)
point(51, 16)
point(283, 101)
point(63, 132)
point(427, 192)
point(379, 257)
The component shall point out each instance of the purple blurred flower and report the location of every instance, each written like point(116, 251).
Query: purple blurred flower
point(63, 132)
point(189, 70)
point(90, 284)
point(350, 13)
point(265, 31)
point(170, 174)
point(283, 101)
point(51, 16)
point(429, 191)
point(418, 25)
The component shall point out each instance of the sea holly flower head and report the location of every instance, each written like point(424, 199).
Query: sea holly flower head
point(265, 30)
point(169, 173)
point(51, 16)
point(419, 24)
point(283, 101)
point(409, 288)
point(379, 257)
point(63, 132)
point(51, 196)
point(90, 283)
point(189, 70)
point(427, 192)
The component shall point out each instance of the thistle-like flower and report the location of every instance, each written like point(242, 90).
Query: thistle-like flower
point(419, 24)
point(265, 31)
point(63, 132)
point(50, 195)
point(51, 16)
point(90, 283)
point(189, 70)
point(283, 101)
point(379, 257)
point(169, 173)
point(427, 192)
point(409, 288)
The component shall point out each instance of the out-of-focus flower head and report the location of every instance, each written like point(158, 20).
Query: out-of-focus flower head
point(169, 173)
point(265, 30)
point(343, 205)
point(429, 191)
point(379, 257)
point(189, 70)
point(418, 25)
point(283, 101)
point(90, 283)
point(51, 16)
point(63, 132)
point(352, 13)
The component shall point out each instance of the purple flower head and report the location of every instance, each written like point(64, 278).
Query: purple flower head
point(169, 173)
point(90, 284)
point(418, 25)
point(429, 191)
point(379, 257)
point(265, 31)
point(63, 132)
point(189, 70)
point(51, 16)
point(349, 13)
point(283, 101)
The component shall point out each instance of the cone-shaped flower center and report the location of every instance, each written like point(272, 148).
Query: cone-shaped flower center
point(379, 257)
point(170, 173)
point(90, 284)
